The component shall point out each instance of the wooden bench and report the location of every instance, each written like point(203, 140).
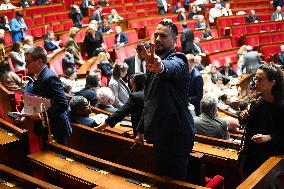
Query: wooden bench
point(219, 160)
point(267, 175)
point(73, 169)
point(11, 178)
point(14, 145)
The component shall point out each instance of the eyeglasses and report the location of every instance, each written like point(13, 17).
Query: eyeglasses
point(259, 79)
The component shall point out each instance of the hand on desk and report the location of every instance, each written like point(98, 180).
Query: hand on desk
point(102, 126)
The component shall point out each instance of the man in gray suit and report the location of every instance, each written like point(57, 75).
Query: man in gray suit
point(278, 15)
point(208, 123)
point(252, 61)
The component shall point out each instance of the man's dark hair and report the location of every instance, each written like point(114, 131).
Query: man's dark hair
point(68, 72)
point(139, 46)
point(37, 52)
point(92, 80)
point(170, 24)
point(4, 67)
point(184, 25)
point(19, 14)
point(139, 79)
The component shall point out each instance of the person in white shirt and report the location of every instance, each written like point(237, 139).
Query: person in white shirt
point(215, 12)
point(6, 5)
point(227, 11)
point(278, 15)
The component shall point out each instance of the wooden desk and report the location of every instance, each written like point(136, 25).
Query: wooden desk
point(267, 175)
point(14, 145)
point(67, 165)
point(21, 180)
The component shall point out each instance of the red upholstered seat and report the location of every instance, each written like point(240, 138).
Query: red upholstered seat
point(29, 11)
point(279, 25)
point(55, 64)
point(62, 16)
point(38, 20)
point(238, 19)
point(214, 45)
point(39, 10)
point(253, 28)
point(50, 18)
point(39, 43)
point(265, 17)
point(267, 50)
point(150, 31)
point(222, 57)
point(266, 38)
point(109, 40)
point(49, 9)
point(132, 36)
point(67, 24)
point(57, 27)
point(252, 40)
point(37, 32)
point(215, 183)
point(205, 46)
point(59, 7)
point(29, 21)
point(277, 37)
point(268, 27)
point(121, 54)
point(225, 44)
point(238, 30)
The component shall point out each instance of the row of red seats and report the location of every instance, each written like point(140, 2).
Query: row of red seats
point(262, 38)
point(225, 21)
point(223, 57)
point(241, 4)
point(109, 39)
point(269, 49)
point(142, 22)
point(46, 18)
point(216, 45)
point(36, 10)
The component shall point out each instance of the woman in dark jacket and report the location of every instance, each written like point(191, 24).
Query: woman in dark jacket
point(93, 42)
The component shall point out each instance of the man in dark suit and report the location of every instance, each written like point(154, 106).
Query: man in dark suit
point(187, 38)
point(252, 17)
point(162, 6)
point(280, 56)
point(278, 15)
point(166, 120)
point(48, 85)
point(50, 44)
point(197, 49)
point(80, 110)
point(85, 5)
point(89, 92)
point(133, 106)
point(120, 37)
point(136, 63)
point(97, 15)
point(195, 92)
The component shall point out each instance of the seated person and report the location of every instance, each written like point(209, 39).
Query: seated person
point(118, 86)
point(134, 105)
point(228, 71)
point(197, 7)
point(201, 24)
point(68, 79)
point(181, 14)
point(280, 56)
point(208, 124)
point(106, 68)
point(215, 12)
point(68, 61)
point(192, 14)
point(114, 17)
point(197, 63)
point(197, 49)
point(17, 56)
point(120, 37)
point(252, 17)
point(106, 99)
point(103, 3)
point(105, 27)
point(10, 80)
point(216, 75)
point(207, 34)
point(6, 5)
point(226, 11)
point(278, 15)
point(89, 92)
point(80, 110)
point(26, 3)
point(50, 44)
point(28, 42)
point(225, 104)
point(4, 23)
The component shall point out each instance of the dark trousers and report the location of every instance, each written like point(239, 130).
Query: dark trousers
point(161, 10)
point(172, 155)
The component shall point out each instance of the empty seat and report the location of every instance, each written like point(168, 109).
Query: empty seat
point(50, 18)
point(57, 27)
point(266, 38)
point(253, 28)
point(268, 27)
point(38, 20)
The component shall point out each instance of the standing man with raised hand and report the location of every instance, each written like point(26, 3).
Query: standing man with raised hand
point(166, 120)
